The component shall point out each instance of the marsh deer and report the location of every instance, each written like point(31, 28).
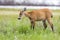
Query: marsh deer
point(38, 15)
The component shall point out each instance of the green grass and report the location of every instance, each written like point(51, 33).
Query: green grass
point(13, 29)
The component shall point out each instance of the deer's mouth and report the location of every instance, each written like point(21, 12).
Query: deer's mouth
point(19, 18)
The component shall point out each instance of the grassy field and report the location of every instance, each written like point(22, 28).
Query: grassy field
point(13, 29)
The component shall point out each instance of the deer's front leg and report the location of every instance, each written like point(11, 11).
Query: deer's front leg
point(32, 24)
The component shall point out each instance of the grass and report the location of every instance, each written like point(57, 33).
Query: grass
point(13, 29)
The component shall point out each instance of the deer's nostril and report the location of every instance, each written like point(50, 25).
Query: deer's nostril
point(19, 18)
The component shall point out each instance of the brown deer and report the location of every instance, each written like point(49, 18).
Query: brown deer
point(38, 15)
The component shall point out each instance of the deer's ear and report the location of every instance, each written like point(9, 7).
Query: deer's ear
point(24, 9)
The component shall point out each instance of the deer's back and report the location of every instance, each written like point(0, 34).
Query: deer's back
point(41, 14)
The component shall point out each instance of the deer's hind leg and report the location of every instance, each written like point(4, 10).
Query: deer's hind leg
point(44, 23)
point(51, 24)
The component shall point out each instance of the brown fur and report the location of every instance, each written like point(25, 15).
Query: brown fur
point(39, 15)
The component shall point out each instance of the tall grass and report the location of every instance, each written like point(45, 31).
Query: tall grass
point(13, 29)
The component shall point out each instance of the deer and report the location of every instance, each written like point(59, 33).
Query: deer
point(38, 15)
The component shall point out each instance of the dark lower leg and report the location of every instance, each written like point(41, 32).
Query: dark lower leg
point(51, 24)
point(44, 23)
point(52, 27)
point(32, 25)
point(45, 26)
